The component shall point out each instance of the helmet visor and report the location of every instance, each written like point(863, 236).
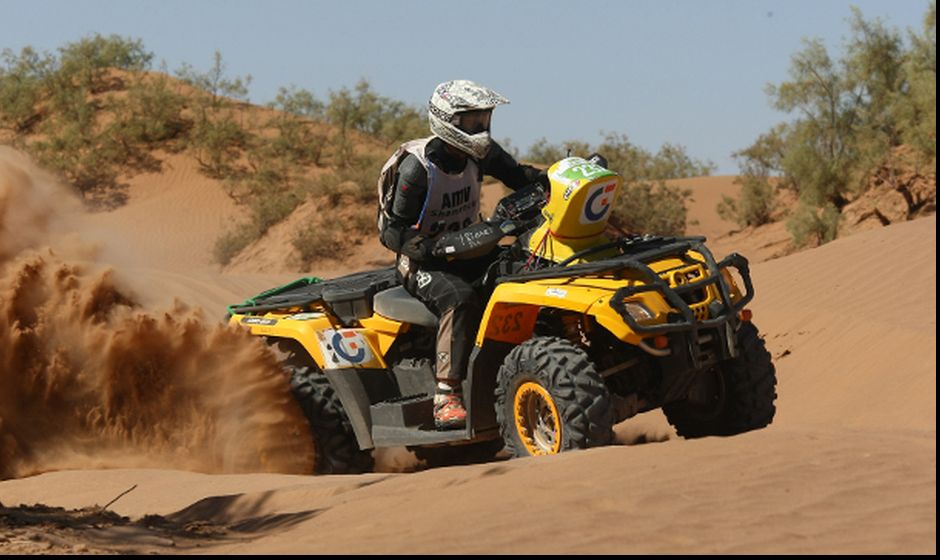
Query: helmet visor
point(473, 122)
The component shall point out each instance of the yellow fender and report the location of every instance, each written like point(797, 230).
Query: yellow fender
point(330, 345)
point(513, 308)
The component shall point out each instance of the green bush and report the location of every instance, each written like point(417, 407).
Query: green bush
point(761, 160)
point(78, 158)
point(672, 162)
point(233, 242)
point(917, 110)
point(357, 182)
point(57, 97)
point(298, 141)
point(645, 203)
point(23, 84)
point(364, 110)
point(324, 239)
point(399, 123)
point(634, 163)
point(387, 119)
point(86, 62)
point(72, 146)
point(755, 205)
point(812, 225)
point(542, 151)
point(363, 223)
point(298, 102)
point(363, 176)
point(852, 114)
point(151, 113)
point(216, 144)
point(656, 208)
point(216, 139)
point(215, 83)
point(264, 173)
point(315, 243)
point(273, 208)
point(270, 191)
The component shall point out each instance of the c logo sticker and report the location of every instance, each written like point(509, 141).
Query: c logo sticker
point(597, 204)
point(359, 352)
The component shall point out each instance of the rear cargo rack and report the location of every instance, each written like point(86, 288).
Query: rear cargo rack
point(275, 298)
point(348, 297)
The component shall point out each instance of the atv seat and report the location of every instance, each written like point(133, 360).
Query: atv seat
point(396, 303)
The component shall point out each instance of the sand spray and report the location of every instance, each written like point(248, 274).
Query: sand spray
point(89, 378)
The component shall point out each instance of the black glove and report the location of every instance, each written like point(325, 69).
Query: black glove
point(543, 180)
point(471, 242)
point(418, 248)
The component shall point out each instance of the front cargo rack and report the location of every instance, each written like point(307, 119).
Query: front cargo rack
point(638, 252)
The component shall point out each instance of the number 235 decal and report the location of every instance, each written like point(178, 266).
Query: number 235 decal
point(511, 323)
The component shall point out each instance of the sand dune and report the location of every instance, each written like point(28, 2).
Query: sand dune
point(847, 467)
point(778, 491)
point(172, 221)
point(852, 326)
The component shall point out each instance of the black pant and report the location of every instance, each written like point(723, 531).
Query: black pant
point(447, 290)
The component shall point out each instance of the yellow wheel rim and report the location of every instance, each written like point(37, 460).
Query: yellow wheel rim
point(537, 419)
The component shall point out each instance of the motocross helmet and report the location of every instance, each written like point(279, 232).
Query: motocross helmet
point(459, 113)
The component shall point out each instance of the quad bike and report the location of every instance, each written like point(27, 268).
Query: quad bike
point(580, 331)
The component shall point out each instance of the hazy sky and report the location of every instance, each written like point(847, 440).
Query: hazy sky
point(688, 72)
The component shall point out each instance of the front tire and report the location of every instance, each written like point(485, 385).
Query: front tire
point(738, 393)
point(336, 448)
point(549, 399)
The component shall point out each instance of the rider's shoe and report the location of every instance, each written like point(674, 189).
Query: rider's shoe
point(449, 412)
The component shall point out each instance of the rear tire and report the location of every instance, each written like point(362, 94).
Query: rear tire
point(336, 448)
point(549, 399)
point(741, 393)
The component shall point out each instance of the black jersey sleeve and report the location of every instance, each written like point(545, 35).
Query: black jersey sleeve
point(411, 188)
point(500, 164)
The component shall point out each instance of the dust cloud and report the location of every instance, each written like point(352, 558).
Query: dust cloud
point(89, 378)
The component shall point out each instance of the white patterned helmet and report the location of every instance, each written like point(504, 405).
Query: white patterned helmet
point(459, 113)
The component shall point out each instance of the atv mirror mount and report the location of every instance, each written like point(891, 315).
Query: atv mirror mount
point(598, 159)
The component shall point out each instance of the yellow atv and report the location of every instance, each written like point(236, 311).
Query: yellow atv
point(580, 331)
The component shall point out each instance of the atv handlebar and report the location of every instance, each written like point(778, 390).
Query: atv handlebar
point(471, 242)
point(522, 205)
point(514, 214)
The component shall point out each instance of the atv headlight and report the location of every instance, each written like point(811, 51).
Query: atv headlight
point(637, 310)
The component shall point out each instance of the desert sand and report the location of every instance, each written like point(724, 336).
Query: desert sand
point(847, 467)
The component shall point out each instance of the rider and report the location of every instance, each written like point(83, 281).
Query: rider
point(437, 189)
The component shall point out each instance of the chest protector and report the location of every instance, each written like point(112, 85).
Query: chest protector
point(452, 202)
